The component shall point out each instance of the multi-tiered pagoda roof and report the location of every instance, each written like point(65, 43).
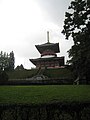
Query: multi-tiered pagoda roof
point(48, 55)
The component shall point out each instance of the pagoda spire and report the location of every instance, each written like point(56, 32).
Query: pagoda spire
point(48, 36)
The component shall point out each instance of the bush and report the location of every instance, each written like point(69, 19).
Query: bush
point(3, 76)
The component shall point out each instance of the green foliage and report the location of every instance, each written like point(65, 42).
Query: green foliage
point(7, 61)
point(22, 73)
point(55, 111)
point(3, 77)
point(44, 94)
point(19, 73)
point(19, 67)
point(8, 114)
point(58, 73)
point(85, 114)
point(77, 25)
point(11, 61)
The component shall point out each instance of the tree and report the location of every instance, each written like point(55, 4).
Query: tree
point(3, 76)
point(7, 61)
point(19, 67)
point(3, 61)
point(77, 26)
point(11, 61)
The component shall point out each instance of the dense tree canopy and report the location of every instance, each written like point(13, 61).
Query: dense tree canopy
point(7, 61)
point(77, 26)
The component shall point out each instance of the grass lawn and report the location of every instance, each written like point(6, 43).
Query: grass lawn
point(44, 94)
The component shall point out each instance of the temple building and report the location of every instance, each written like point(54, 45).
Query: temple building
point(48, 55)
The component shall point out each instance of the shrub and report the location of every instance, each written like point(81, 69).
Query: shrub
point(3, 76)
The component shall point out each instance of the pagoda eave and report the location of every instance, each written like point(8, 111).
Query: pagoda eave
point(48, 62)
point(52, 46)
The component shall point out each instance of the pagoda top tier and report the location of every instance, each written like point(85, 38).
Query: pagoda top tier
point(48, 46)
point(54, 47)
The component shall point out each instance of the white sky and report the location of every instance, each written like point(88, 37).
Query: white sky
point(24, 24)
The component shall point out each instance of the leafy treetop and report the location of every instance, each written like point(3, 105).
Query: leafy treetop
point(77, 26)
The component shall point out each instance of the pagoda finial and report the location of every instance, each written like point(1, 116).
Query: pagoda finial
point(48, 36)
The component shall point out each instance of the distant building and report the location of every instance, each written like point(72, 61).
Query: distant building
point(48, 57)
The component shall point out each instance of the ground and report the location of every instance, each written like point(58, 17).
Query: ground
point(44, 94)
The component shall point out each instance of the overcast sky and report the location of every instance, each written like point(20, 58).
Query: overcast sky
point(24, 24)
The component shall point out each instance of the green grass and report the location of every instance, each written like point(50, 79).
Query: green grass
point(44, 94)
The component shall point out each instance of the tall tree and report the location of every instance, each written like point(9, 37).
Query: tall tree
point(77, 26)
point(11, 61)
point(7, 61)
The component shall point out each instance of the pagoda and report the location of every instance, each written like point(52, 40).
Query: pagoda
point(48, 58)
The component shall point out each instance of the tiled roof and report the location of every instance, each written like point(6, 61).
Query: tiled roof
point(48, 46)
